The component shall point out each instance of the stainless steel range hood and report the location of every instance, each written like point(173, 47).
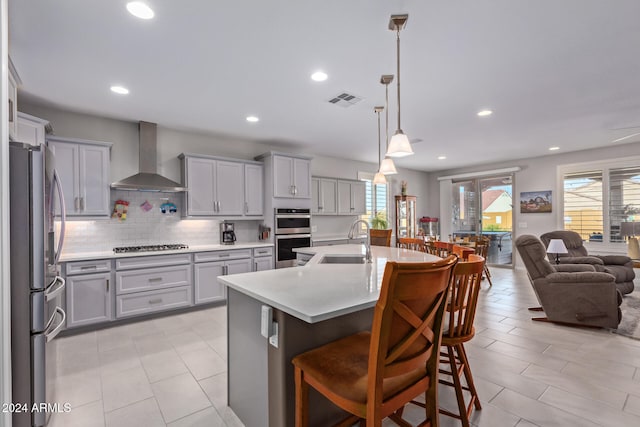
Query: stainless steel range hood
point(148, 179)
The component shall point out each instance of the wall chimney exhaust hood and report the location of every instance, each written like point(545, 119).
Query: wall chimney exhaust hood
point(148, 179)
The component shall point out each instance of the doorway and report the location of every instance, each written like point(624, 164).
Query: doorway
point(485, 206)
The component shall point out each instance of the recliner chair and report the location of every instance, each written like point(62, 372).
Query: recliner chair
point(621, 266)
point(570, 293)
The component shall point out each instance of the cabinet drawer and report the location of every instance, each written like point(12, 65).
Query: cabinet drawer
point(152, 261)
point(152, 278)
point(257, 252)
point(84, 267)
point(222, 255)
point(152, 301)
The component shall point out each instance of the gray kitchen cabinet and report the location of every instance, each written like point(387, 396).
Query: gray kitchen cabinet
point(12, 98)
point(222, 186)
point(351, 197)
point(88, 296)
point(262, 259)
point(324, 193)
point(291, 177)
point(31, 129)
point(209, 265)
point(150, 284)
point(253, 189)
point(83, 168)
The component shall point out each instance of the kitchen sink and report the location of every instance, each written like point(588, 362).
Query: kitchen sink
point(342, 259)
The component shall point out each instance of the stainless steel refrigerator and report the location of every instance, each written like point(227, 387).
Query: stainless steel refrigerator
point(37, 315)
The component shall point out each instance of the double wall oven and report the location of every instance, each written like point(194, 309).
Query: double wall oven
point(292, 230)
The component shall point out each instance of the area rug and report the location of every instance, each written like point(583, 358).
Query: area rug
point(630, 324)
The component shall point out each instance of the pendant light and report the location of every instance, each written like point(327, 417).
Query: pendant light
point(379, 178)
point(387, 167)
point(399, 145)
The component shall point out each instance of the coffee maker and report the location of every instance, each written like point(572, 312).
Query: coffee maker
point(227, 235)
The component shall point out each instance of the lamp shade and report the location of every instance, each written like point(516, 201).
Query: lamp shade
point(388, 167)
point(556, 246)
point(379, 179)
point(399, 145)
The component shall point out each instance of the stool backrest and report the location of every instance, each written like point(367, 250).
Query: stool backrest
point(409, 243)
point(465, 288)
point(380, 237)
point(407, 326)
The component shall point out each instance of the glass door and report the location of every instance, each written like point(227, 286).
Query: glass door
point(485, 206)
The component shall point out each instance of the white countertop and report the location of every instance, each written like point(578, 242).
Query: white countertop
point(83, 256)
point(318, 292)
point(329, 237)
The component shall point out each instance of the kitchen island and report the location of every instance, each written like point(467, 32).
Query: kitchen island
point(328, 298)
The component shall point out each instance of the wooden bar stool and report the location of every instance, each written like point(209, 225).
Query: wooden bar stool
point(461, 311)
point(409, 243)
point(372, 375)
point(380, 237)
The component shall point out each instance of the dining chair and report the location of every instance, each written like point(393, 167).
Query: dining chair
point(410, 243)
point(380, 237)
point(482, 247)
point(444, 249)
point(462, 252)
point(458, 329)
point(372, 375)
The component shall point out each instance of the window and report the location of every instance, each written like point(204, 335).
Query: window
point(376, 203)
point(598, 197)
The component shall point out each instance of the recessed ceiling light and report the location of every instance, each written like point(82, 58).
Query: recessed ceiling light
point(485, 113)
point(119, 90)
point(554, 148)
point(140, 10)
point(442, 157)
point(626, 137)
point(319, 76)
point(252, 119)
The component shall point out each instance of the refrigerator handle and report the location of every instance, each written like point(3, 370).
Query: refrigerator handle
point(51, 331)
point(63, 215)
point(56, 287)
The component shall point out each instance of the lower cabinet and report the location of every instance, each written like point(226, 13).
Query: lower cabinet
point(147, 302)
point(207, 288)
point(263, 263)
point(88, 299)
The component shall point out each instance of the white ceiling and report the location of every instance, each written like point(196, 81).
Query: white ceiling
point(556, 73)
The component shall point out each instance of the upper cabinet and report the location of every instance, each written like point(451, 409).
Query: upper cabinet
point(291, 177)
point(351, 197)
point(83, 169)
point(14, 81)
point(30, 129)
point(324, 193)
point(253, 189)
point(220, 186)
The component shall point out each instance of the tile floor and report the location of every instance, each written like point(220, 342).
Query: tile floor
point(171, 371)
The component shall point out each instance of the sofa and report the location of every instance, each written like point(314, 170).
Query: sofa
point(621, 266)
point(570, 293)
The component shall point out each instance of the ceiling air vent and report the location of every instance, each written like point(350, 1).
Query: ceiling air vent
point(345, 99)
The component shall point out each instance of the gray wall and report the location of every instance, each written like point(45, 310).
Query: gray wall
point(171, 142)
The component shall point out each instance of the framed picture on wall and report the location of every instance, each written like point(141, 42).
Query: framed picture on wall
point(535, 201)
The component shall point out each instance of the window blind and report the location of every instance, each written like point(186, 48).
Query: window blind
point(624, 199)
point(583, 204)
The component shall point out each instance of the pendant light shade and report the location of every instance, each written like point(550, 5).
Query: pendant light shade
point(379, 178)
point(387, 167)
point(399, 145)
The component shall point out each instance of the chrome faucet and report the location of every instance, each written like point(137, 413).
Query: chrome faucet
point(367, 243)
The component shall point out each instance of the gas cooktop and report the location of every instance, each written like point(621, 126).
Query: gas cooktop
point(150, 248)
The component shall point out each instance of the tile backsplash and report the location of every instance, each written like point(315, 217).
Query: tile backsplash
point(148, 228)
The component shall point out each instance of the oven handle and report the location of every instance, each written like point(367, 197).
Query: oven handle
point(292, 236)
point(278, 216)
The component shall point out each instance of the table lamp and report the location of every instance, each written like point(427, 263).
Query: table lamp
point(556, 246)
point(630, 230)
